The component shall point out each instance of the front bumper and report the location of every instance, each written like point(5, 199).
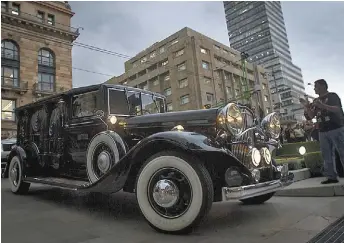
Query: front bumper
point(244, 192)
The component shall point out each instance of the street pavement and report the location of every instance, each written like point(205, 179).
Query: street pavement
point(53, 215)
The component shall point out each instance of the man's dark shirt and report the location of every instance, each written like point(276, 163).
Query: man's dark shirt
point(328, 120)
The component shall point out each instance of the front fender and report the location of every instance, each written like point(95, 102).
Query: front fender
point(124, 173)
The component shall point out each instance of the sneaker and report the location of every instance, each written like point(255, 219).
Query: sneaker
point(330, 181)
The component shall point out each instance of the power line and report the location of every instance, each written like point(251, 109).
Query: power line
point(33, 59)
point(105, 51)
point(64, 65)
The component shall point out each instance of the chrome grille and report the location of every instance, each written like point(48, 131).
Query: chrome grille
point(241, 150)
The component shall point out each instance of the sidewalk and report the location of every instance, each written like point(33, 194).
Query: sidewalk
point(312, 187)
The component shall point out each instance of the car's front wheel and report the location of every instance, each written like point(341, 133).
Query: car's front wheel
point(174, 192)
point(15, 176)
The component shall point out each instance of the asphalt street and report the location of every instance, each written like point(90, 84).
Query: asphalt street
point(53, 215)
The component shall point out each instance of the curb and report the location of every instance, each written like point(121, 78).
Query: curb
point(312, 188)
point(301, 174)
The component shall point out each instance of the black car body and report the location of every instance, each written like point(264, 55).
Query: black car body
point(105, 138)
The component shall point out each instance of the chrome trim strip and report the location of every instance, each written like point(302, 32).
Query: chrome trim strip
point(244, 192)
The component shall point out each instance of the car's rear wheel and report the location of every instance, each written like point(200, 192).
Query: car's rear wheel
point(15, 176)
point(258, 200)
point(174, 192)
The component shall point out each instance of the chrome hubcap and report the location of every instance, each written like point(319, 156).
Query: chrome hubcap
point(14, 174)
point(103, 162)
point(165, 193)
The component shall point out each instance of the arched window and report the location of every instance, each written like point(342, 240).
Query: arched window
point(46, 70)
point(9, 63)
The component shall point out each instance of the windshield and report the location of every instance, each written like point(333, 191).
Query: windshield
point(135, 103)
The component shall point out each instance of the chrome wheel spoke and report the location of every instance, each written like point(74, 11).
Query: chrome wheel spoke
point(169, 192)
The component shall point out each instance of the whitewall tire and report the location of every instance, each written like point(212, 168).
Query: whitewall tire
point(15, 177)
point(174, 192)
point(102, 155)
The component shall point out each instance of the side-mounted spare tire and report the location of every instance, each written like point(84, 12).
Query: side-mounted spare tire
point(174, 192)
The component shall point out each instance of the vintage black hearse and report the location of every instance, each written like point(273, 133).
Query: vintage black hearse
point(105, 138)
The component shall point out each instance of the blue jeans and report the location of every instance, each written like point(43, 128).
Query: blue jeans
point(329, 141)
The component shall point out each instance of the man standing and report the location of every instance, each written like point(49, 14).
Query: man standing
point(327, 109)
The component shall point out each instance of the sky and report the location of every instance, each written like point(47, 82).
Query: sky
point(315, 32)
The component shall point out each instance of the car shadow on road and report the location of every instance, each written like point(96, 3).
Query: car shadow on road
point(123, 206)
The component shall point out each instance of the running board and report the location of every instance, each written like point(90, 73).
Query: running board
point(59, 182)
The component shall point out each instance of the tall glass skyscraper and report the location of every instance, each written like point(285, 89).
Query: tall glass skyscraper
point(258, 29)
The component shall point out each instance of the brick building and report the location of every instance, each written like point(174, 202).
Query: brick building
point(193, 70)
point(36, 54)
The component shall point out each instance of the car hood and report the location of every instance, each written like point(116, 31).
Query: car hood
point(206, 117)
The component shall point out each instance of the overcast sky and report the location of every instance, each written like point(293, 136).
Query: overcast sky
point(315, 32)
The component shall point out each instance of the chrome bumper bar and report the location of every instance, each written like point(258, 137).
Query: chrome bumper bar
point(244, 192)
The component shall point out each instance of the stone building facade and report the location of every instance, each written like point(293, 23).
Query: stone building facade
point(193, 71)
point(36, 54)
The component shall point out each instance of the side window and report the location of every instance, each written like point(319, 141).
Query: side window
point(118, 103)
point(84, 104)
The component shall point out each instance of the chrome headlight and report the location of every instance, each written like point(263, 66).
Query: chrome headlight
point(231, 119)
point(266, 155)
point(256, 157)
point(271, 125)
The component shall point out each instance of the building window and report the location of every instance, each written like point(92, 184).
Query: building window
point(174, 42)
point(264, 86)
point(4, 6)
point(205, 65)
point(9, 50)
point(144, 59)
point(15, 8)
point(9, 63)
point(167, 77)
point(162, 49)
point(46, 70)
point(46, 82)
point(182, 66)
point(7, 109)
point(40, 16)
point(153, 54)
point(51, 19)
point(204, 51)
point(207, 80)
point(9, 76)
point(164, 63)
point(265, 97)
point(45, 58)
point(228, 90)
point(225, 51)
point(184, 99)
point(210, 97)
point(168, 91)
point(179, 53)
point(155, 81)
point(183, 83)
point(169, 107)
point(144, 86)
point(216, 47)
